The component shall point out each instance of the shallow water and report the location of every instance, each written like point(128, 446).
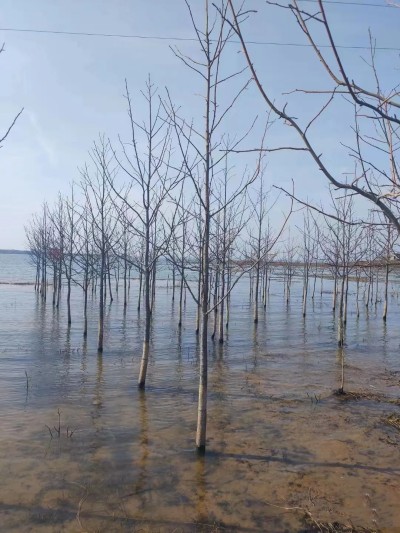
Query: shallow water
point(280, 444)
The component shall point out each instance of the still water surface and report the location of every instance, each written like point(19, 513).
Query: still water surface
point(281, 445)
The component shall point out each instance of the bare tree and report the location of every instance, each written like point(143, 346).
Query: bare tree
point(100, 208)
point(202, 156)
point(3, 136)
point(376, 124)
point(386, 237)
point(150, 184)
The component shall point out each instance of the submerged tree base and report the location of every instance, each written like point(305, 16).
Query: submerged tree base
point(201, 450)
point(339, 392)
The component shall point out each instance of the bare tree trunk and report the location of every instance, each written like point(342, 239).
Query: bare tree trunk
point(54, 283)
point(85, 301)
point(146, 340)
point(222, 306)
point(140, 289)
point(101, 306)
point(109, 278)
point(385, 308)
point(341, 313)
point(256, 291)
point(215, 301)
point(334, 295)
point(125, 280)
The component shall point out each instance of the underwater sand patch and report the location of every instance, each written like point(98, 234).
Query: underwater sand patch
point(392, 420)
point(365, 395)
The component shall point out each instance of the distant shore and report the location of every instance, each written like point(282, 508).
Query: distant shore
point(14, 251)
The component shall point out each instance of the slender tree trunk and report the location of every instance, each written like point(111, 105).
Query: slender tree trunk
point(198, 312)
point(153, 286)
point(54, 283)
point(101, 305)
point(222, 305)
point(256, 291)
point(85, 301)
point(69, 300)
point(305, 291)
point(109, 279)
point(385, 308)
point(181, 290)
point(341, 313)
point(334, 295)
point(140, 289)
point(125, 281)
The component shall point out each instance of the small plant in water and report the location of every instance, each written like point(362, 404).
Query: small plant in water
point(314, 398)
point(57, 429)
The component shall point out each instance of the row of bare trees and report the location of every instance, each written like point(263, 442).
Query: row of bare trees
point(168, 193)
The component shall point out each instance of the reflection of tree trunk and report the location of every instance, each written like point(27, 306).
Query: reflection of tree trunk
point(98, 398)
point(142, 477)
point(341, 357)
point(200, 483)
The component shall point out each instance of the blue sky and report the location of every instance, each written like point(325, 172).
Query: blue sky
point(71, 87)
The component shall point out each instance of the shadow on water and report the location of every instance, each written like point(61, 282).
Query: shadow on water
point(286, 460)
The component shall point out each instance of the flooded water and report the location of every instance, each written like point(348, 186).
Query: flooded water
point(81, 450)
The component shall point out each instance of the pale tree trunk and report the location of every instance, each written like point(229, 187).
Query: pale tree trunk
point(341, 322)
point(305, 290)
point(100, 336)
point(147, 296)
point(125, 275)
point(215, 301)
point(140, 289)
point(334, 295)
point(256, 291)
point(385, 308)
